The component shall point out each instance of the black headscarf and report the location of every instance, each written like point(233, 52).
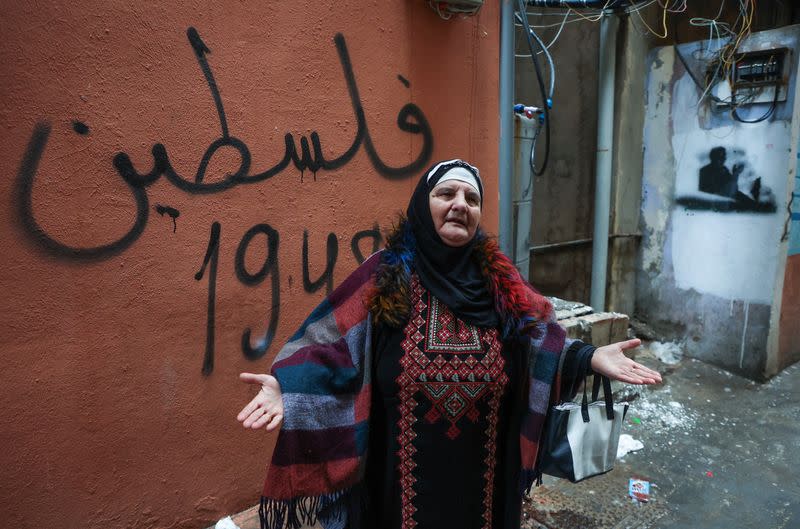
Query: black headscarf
point(449, 273)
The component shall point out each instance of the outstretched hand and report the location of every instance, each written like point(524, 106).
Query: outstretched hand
point(610, 361)
point(266, 408)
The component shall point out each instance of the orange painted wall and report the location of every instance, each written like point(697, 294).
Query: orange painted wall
point(107, 419)
point(789, 341)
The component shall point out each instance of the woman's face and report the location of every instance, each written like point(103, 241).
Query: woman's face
point(456, 211)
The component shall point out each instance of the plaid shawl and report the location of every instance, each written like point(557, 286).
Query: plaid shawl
point(324, 374)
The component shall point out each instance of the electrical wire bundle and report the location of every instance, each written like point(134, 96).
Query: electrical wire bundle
point(531, 37)
point(721, 62)
point(547, 100)
point(572, 15)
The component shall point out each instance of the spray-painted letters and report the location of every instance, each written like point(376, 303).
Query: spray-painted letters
point(309, 156)
point(410, 119)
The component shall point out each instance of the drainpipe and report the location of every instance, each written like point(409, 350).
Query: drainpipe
point(524, 131)
point(605, 142)
point(505, 166)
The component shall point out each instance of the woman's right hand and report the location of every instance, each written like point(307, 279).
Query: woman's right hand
point(266, 408)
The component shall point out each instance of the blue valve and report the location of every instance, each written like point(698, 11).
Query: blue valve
point(529, 111)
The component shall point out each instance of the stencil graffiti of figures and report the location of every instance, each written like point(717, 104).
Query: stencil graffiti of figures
point(726, 183)
point(740, 183)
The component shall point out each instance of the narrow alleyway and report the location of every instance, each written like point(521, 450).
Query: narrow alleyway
point(720, 451)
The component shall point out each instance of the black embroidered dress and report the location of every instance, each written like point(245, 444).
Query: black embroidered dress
point(440, 421)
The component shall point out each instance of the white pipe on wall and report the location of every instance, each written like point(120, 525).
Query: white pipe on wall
point(605, 142)
point(524, 131)
point(505, 162)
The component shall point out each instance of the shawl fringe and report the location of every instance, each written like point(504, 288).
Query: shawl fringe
point(295, 513)
point(529, 479)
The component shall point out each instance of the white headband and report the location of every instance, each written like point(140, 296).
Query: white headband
point(457, 172)
point(462, 175)
point(448, 162)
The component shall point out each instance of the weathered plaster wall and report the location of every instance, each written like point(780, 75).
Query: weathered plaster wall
point(563, 197)
point(709, 266)
point(626, 201)
point(150, 231)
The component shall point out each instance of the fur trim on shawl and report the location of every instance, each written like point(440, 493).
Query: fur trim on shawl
point(517, 303)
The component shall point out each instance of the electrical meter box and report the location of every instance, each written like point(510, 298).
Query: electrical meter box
point(753, 77)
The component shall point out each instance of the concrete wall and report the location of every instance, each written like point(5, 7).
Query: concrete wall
point(710, 267)
point(626, 197)
point(155, 236)
point(563, 200)
point(563, 197)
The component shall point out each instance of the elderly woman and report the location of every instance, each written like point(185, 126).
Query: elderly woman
point(414, 395)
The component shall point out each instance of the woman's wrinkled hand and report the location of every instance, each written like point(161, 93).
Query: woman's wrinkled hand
point(266, 408)
point(610, 361)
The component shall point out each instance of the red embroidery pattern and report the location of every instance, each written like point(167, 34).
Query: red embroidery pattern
point(491, 451)
point(448, 334)
point(454, 386)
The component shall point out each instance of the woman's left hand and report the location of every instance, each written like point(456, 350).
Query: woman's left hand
point(610, 361)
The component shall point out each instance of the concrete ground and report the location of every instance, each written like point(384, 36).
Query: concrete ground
point(721, 452)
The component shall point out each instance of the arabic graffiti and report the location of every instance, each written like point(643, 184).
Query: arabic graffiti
point(410, 119)
point(377, 238)
point(212, 256)
point(326, 278)
point(269, 268)
point(305, 154)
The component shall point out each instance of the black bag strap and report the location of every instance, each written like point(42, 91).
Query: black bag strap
point(580, 368)
point(585, 405)
point(585, 401)
point(609, 401)
point(596, 387)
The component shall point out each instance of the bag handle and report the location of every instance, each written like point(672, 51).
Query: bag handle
point(580, 370)
point(585, 400)
point(606, 394)
point(595, 390)
point(585, 404)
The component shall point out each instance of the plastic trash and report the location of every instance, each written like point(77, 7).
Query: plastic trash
point(627, 444)
point(226, 523)
point(667, 353)
point(639, 490)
